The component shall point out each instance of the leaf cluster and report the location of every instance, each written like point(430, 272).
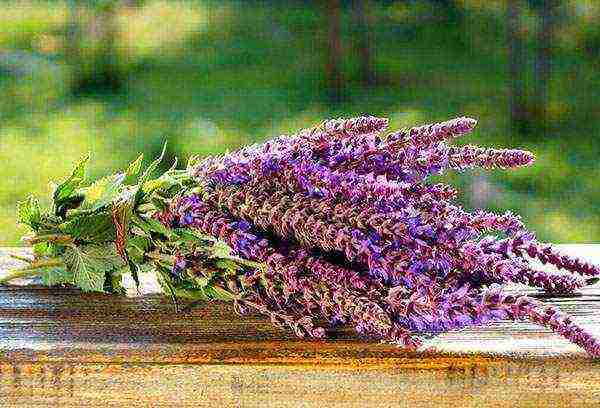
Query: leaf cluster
point(94, 232)
point(85, 234)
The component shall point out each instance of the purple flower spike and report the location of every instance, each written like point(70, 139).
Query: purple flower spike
point(473, 156)
point(363, 125)
point(529, 309)
point(507, 222)
point(524, 243)
point(428, 135)
point(552, 283)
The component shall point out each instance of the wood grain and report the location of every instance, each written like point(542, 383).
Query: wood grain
point(64, 348)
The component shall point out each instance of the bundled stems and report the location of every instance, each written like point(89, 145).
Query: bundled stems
point(337, 224)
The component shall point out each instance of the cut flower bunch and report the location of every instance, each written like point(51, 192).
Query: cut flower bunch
point(334, 225)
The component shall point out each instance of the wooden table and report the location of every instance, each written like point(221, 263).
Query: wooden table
point(65, 348)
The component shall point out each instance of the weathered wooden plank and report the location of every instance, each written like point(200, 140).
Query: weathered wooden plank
point(98, 384)
point(62, 347)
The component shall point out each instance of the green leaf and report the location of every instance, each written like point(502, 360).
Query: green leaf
point(96, 228)
point(46, 249)
point(159, 203)
point(193, 161)
point(103, 192)
point(166, 283)
point(89, 263)
point(113, 283)
point(215, 292)
point(228, 265)
point(153, 166)
point(145, 177)
point(134, 167)
point(64, 193)
point(166, 181)
point(221, 250)
point(133, 270)
point(137, 247)
point(56, 275)
point(41, 249)
point(186, 293)
point(29, 213)
point(150, 225)
point(199, 282)
point(193, 237)
point(161, 183)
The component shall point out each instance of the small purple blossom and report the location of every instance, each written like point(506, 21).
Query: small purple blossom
point(179, 264)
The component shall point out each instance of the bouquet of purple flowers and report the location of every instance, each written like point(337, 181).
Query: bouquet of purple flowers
point(334, 225)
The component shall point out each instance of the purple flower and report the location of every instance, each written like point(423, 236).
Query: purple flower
point(418, 267)
point(179, 264)
point(187, 219)
point(474, 156)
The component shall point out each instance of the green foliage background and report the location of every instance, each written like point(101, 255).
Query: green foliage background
point(211, 76)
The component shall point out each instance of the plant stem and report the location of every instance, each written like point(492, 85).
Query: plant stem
point(156, 256)
point(57, 238)
point(20, 273)
point(246, 262)
point(30, 271)
point(21, 258)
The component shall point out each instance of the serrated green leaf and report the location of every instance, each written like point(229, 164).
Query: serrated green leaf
point(166, 283)
point(134, 167)
point(92, 228)
point(113, 283)
point(47, 249)
point(174, 165)
point(29, 213)
point(89, 263)
point(158, 203)
point(187, 293)
point(221, 250)
point(228, 265)
point(103, 192)
point(72, 202)
point(166, 181)
point(145, 177)
point(215, 292)
point(41, 249)
point(193, 237)
point(133, 270)
point(193, 161)
point(137, 247)
point(64, 192)
point(150, 225)
point(153, 166)
point(56, 275)
point(161, 183)
point(200, 281)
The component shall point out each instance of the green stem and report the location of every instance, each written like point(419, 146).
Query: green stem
point(246, 262)
point(18, 274)
point(56, 238)
point(21, 258)
point(164, 259)
point(30, 271)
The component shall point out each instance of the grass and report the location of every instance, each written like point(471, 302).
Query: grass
point(230, 73)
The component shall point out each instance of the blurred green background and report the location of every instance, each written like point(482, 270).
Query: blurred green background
point(120, 77)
